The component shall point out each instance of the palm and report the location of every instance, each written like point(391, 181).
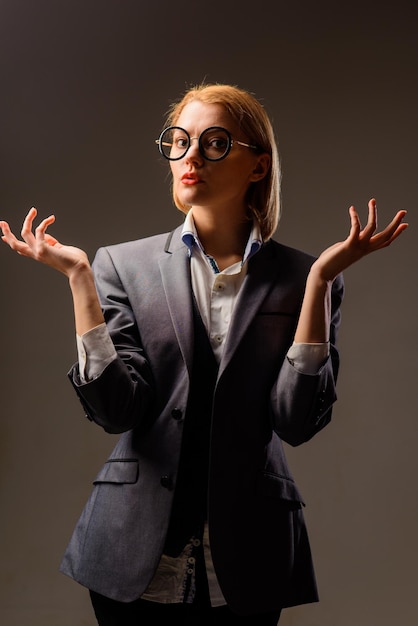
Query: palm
point(60, 256)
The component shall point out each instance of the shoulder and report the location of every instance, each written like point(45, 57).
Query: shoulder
point(292, 257)
point(145, 248)
point(297, 263)
point(143, 245)
point(290, 251)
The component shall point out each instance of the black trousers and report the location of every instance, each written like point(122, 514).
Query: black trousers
point(143, 613)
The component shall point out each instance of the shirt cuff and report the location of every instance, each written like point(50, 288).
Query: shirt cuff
point(308, 358)
point(95, 351)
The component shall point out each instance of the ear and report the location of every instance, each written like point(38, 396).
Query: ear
point(261, 168)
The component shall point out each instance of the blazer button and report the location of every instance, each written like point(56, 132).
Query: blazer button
point(167, 482)
point(177, 414)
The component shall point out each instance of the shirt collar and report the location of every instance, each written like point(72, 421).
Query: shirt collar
point(191, 238)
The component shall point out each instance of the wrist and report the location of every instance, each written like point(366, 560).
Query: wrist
point(81, 274)
point(317, 281)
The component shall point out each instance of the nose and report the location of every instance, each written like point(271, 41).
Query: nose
point(193, 153)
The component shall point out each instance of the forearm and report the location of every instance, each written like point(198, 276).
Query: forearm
point(302, 398)
point(315, 315)
point(87, 310)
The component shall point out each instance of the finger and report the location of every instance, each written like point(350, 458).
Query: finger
point(51, 241)
point(392, 226)
point(40, 230)
point(5, 228)
point(397, 219)
point(8, 237)
point(355, 223)
point(26, 232)
point(397, 232)
point(371, 225)
point(392, 231)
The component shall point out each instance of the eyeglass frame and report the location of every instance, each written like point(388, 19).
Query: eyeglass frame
point(231, 142)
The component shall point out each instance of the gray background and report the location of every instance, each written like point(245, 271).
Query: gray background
point(84, 89)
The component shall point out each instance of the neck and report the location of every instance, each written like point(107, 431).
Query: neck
point(223, 237)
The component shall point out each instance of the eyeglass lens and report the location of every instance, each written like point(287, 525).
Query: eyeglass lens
point(214, 143)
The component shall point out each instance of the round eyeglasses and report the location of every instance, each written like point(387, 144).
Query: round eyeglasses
point(215, 143)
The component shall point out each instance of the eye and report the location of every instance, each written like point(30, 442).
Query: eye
point(219, 143)
point(215, 143)
point(180, 142)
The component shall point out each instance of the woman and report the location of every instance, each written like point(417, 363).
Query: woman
point(206, 348)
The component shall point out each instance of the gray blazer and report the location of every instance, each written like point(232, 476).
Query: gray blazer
point(258, 538)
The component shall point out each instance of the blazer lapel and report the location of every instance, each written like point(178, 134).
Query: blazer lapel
point(262, 271)
point(175, 274)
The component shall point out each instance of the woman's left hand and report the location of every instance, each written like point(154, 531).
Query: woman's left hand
point(359, 243)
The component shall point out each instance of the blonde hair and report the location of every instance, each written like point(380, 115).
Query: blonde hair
point(263, 196)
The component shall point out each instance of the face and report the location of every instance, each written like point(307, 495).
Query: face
point(215, 185)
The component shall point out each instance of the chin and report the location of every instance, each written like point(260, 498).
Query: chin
point(189, 199)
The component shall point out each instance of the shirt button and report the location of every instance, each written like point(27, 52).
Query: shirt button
point(196, 542)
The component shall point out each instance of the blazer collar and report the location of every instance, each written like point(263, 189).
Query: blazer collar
point(175, 272)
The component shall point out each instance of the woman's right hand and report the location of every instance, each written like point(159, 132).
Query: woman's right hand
point(41, 246)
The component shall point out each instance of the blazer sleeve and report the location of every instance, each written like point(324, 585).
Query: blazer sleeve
point(301, 404)
point(120, 397)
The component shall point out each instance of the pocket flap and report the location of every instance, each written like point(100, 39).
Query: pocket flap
point(277, 486)
point(118, 471)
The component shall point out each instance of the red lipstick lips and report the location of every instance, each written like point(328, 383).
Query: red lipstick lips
point(190, 179)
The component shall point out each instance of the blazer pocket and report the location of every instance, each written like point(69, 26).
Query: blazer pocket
point(123, 471)
point(279, 487)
